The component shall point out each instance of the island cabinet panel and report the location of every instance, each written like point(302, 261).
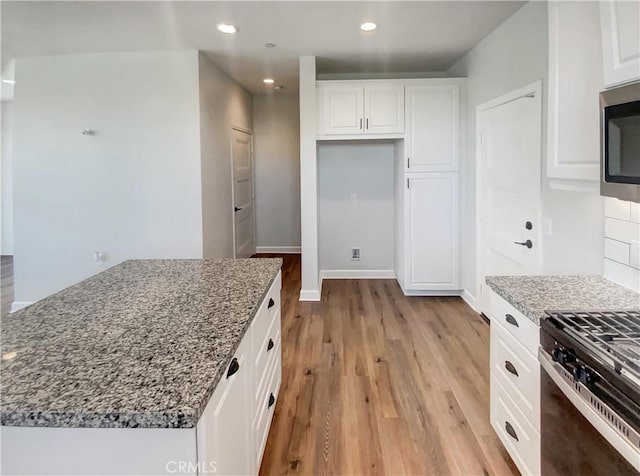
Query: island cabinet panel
point(224, 429)
point(233, 429)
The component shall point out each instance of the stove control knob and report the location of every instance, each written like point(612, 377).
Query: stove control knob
point(587, 376)
point(563, 356)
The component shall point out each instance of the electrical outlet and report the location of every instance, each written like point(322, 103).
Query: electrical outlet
point(355, 254)
point(354, 198)
point(99, 257)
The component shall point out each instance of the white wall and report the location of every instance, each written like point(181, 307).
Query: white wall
point(365, 169)
point(512, 56)
point(6, 239)
point(223, 104)
point(132, 190)
point(276, 127)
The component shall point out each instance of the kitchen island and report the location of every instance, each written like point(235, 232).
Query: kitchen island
point(132, 370)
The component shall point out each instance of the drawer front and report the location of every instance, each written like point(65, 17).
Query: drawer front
point(519, 326)
point(517, 371)
point(269, 308)
point(271, 357)
point(266, 409)
point(520, 439)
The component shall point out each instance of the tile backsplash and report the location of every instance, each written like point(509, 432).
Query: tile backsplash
point(622, 243)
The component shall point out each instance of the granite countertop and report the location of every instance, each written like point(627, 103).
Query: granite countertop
point(533, 295)
point(142, 344)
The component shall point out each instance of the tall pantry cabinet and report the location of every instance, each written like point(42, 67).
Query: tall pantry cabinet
point(428, 209)
point(422, 117)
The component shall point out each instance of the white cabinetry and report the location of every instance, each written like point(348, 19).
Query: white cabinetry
point(432, 136)
point(620, 22)
point(575, 80)
point(233, 428)
point(224, 430)
point(515, 384)
point(348, 108)
point(432, 231)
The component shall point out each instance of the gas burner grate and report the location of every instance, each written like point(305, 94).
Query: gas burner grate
point(615, 335)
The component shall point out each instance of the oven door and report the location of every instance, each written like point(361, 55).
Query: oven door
point(571, 445)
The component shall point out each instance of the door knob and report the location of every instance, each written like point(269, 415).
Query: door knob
point(528, 243)
point(237, 209)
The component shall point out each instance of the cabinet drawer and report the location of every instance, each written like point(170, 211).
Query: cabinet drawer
point(266, 409)
point(269, 308)
point(517, 371)
point(265, 365)
point(517, 324)
point(520, 439)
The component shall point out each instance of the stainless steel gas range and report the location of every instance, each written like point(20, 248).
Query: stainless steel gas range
point(590, 392)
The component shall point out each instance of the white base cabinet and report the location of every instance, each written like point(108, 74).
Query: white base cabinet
point(431, 231)
point(515, 384)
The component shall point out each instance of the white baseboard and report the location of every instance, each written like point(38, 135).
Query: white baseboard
point(471, 300)
point(17, 305)
point(436, 293)
point(310, 295)
point(356, 274)
point(285, 250)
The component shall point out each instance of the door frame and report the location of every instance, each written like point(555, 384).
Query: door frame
point(233, 186)
point(534, 88)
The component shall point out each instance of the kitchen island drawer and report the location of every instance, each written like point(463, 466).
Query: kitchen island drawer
point(517, 371)
point(269, 309)
point(516, 433)
point(517, 324)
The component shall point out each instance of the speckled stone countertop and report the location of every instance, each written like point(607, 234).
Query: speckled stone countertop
point(142, 344)
point(533, 295)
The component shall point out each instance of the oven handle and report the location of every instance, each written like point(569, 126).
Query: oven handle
point(585, 402)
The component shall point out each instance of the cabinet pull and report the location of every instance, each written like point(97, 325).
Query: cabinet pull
point(361, 123)
point(272, 400)
point(270, 345)
point(271, 303)
point(234, 366)
point(407, 183)
point(367, 123)
point(408, 162)
point(510, 368)
point(511, 431)
point(511, 320)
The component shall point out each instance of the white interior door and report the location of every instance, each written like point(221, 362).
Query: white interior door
point(509, 164)
point(244, 222)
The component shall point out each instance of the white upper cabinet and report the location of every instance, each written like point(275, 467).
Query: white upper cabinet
point(432, 128)
point(348, 108)
point(575, 81)
point(341, 109)
point(384, 108)
point(620, 22)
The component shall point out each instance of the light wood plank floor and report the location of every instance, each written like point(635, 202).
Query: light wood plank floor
point(378, 383)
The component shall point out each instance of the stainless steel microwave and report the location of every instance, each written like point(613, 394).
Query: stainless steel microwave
point(620, 142)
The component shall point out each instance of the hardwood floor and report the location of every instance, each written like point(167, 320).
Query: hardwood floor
point(378, 383)
point(6, 284)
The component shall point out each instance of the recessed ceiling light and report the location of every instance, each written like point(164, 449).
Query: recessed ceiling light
point(9, 81)
point(368, 26)
point(226, 28)
point(279, 87)
point(270, 45)
point(268, 81)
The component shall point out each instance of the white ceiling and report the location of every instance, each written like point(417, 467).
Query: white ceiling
point(415, 36)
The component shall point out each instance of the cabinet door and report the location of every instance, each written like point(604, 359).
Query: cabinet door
point(341, 109)
point(225, 441)
point(575, 80)
point(620, 21)
point(432, 129)
point(432, 231)
point(384, 108)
